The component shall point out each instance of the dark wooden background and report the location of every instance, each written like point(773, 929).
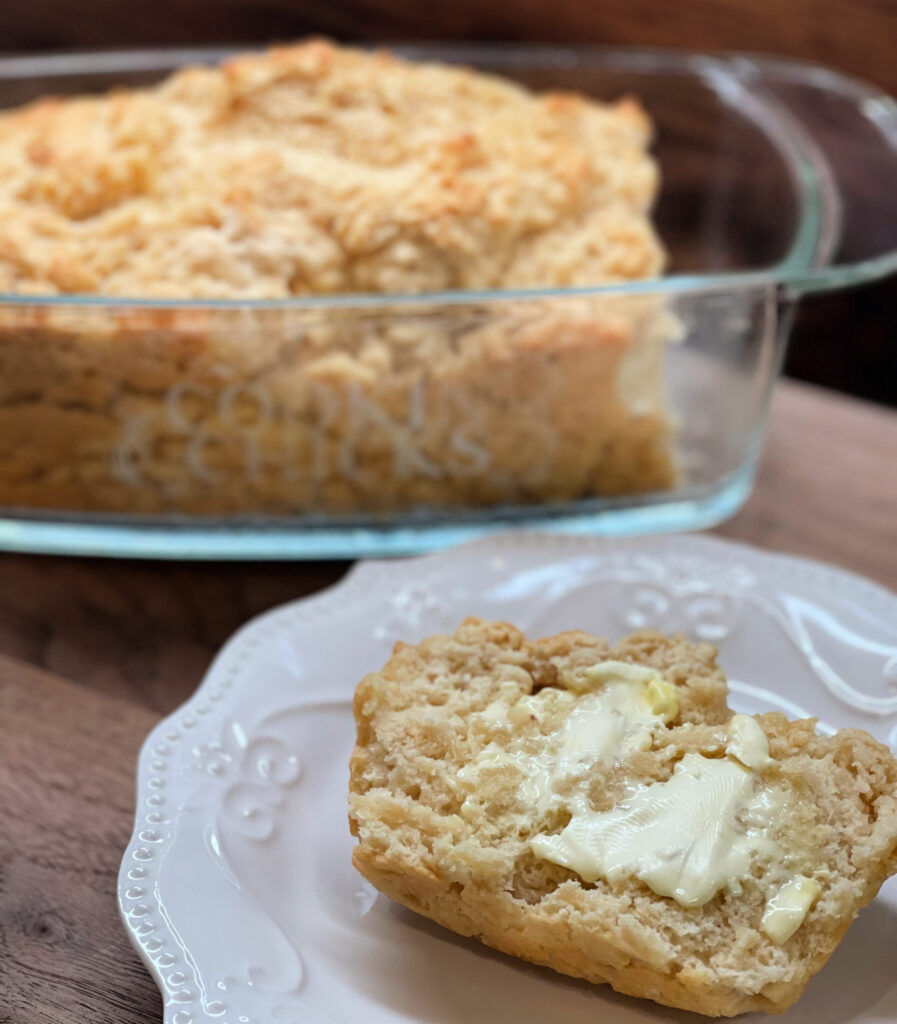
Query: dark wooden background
point(857, 36)
point(846, 341)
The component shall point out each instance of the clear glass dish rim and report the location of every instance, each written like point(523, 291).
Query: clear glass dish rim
point(797, 274)
point(120, 535)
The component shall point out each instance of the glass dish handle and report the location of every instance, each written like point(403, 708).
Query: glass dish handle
point(850, 127)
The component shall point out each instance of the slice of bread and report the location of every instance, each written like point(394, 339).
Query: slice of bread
point(454, 736)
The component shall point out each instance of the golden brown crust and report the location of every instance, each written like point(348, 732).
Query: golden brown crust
point(319, 169)
point(462, 858)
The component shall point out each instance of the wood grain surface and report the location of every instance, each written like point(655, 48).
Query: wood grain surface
point(135, 638)
point(827, 486)
point(67, 760)
point(143, 631)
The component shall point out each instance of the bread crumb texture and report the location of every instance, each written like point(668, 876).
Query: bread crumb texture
point(444, 818)
point(316, 170)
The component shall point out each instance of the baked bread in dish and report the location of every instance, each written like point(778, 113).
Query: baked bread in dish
point(315, 170)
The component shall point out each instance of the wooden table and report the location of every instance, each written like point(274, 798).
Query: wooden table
point(93, 652)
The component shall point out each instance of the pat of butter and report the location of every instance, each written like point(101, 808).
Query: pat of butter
point(662, 699)
point(619, 718)
point(680, 837)
point(610, 723)
point(748, 742)
point(616, 720)
point(785, 912)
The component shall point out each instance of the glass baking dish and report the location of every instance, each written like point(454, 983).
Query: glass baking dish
point(209, 429)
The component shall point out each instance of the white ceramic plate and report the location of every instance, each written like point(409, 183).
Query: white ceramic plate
point(237, 886)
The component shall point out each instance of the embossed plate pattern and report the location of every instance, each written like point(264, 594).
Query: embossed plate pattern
point(237, 888)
